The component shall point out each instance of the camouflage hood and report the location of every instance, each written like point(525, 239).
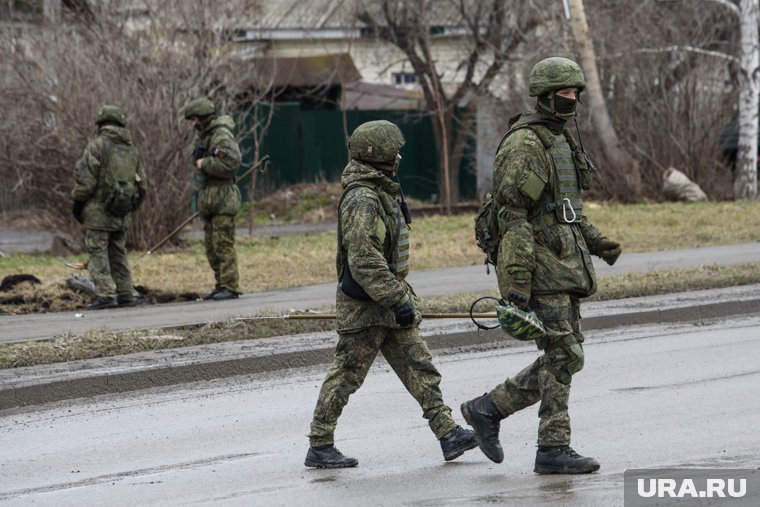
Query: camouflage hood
point(361, 171)
point(116, 134)
point(224, 121)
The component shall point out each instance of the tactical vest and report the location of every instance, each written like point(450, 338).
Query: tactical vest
point(571, 174)
point(397, 255)
point(568, 203)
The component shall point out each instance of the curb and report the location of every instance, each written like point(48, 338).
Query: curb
point(143, 377)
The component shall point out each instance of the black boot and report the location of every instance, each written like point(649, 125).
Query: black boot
point(482, 414)
point(224, 294)
point(102, 303)
point(456, 441)
point(132, 302)
point(563, 460)
point(327, 456)
point(210, 295)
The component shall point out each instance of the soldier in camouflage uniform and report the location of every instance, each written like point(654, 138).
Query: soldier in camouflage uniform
point(216, 159)
point(109, 164)
point(544, 263)
point(376, 307)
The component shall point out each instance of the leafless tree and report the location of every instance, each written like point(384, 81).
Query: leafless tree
point(494, 28)
point(666, 75)
point(149, 57)
point(615, 153)
point(745, 183)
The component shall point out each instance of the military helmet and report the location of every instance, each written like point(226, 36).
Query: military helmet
point(376, 141)
point(110, 113)
point(555, 73)
point(519, 324)
point(199, 107)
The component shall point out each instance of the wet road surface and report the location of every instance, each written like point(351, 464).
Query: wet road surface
point(650, 396)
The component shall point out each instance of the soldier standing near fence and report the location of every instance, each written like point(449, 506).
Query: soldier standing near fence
point(216, 159)
point(544, 263)
point(110, 184)
point(375, 306)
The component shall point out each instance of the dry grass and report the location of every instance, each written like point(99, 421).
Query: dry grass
point(437, 242)
point(104, 342)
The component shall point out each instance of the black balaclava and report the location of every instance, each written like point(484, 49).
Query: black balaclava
point(557, 106)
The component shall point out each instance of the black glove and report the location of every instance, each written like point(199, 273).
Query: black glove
point(404, 314)
point(77, 211)
point(519, 294)
point(608, 250)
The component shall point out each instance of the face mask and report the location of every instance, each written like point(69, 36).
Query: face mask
point(564, 106)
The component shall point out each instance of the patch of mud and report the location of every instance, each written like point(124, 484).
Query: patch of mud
point(22, 294)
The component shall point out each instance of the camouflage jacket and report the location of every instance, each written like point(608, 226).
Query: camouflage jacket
point(369, 221)
point(89, 186)
point(525, 180)
point(218, 191)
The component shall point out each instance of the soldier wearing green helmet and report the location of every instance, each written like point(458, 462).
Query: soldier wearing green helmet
point(543, 265)
point(216, 159)
point(376, 308)
point(110, 185)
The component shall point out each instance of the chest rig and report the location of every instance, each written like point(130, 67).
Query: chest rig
point(568, 176)
point(395, 245)
point(568, 203)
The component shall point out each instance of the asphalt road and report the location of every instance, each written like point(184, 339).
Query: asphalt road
point(681, 395)
point(429, 283)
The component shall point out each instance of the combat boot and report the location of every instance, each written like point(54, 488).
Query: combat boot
point(103, 303)
point(563, 459)
point(224, 294)
point(210, 295)
point(328, 456)
point(456, 442)
point(132, 302)
point(482, 414)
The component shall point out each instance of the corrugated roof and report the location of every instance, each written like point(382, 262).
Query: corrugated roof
point(323, 70)
point(326, 14)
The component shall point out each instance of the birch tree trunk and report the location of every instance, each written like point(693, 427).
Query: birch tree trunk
point(745, 182)
point(621, 160)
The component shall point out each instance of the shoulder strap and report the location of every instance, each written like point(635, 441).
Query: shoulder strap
point(545, 140)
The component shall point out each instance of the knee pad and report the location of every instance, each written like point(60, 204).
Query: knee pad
point(565, 359)
point(575, 359)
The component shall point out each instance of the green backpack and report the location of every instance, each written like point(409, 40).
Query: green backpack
point(487, 230)
point(120, 193)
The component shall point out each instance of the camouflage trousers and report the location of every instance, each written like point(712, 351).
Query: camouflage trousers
point(549, 377)
point(108, 266)
point(409, 357)
point(219, 240)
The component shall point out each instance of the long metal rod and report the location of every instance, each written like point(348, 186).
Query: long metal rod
point(328, 316)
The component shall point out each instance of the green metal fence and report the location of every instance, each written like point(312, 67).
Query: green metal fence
point(306, 145)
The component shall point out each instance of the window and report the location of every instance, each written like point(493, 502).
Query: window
point(402, 78)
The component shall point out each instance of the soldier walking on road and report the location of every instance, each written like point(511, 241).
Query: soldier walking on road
point(544, 264)
point(216, 159)
point(110, 184)
point(375, 306)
